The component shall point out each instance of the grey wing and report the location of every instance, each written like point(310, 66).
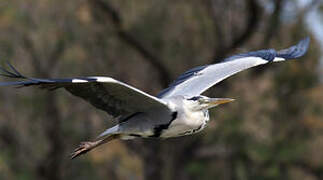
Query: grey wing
point(197, 80)
point(105, 93)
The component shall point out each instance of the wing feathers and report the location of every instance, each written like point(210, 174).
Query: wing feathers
point(6, 73)
point(197, 80)
point(295, 51)
point(105, 93)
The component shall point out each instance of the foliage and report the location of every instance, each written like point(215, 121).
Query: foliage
point(272, 131)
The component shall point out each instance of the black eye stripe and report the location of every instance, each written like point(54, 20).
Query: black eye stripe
point(195, 98)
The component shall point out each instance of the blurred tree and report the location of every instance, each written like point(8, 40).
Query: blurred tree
point(273, 131)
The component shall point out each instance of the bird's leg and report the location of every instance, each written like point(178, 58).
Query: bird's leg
point(85, 147)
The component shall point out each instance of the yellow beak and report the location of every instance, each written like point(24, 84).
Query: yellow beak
point(218, 101)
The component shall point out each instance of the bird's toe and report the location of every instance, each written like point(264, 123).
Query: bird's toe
point(83, 148)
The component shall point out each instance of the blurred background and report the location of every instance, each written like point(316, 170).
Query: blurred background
point(274, 129)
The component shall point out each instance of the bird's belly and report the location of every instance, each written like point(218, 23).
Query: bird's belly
point(183, 126)
point(177, 131)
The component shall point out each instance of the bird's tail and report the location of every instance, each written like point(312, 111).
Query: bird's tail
point(108, 132)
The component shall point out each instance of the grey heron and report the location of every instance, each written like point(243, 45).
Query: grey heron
point(176, 111)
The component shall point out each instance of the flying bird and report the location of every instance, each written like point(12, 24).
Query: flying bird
point(176, 111)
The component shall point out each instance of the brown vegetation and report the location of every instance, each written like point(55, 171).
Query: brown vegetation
point(272, 131)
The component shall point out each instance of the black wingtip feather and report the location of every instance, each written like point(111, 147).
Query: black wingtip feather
point(11, 73)
point(6, 73)
point(14, 69)
point(295, 51)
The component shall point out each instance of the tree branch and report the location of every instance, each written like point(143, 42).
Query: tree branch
point(57, 52)
point(29, 47)
point(252, 23)
point(107, 11)
point(274, 22)
point(308, 8)
point(50, 166)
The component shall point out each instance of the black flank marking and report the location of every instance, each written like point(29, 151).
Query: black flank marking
point(194, 130)
point(174, 116)
point(159, 129)
point(130, 116)
point(135, 135)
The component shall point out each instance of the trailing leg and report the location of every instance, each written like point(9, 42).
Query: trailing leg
point(87, 146)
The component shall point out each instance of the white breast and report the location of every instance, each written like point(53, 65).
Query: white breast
point(187, 122)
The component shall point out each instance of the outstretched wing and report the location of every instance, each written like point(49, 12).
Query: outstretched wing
point(197, 80)
point(105, 93)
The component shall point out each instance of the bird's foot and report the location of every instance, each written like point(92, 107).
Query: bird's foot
point(83, 148)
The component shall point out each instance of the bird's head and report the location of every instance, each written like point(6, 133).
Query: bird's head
point(203, 103)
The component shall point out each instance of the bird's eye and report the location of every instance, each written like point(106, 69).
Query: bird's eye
point(195, 98)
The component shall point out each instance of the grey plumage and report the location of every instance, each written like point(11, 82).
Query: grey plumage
point(178, 110)
point(104, 93)
point(197, 80)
